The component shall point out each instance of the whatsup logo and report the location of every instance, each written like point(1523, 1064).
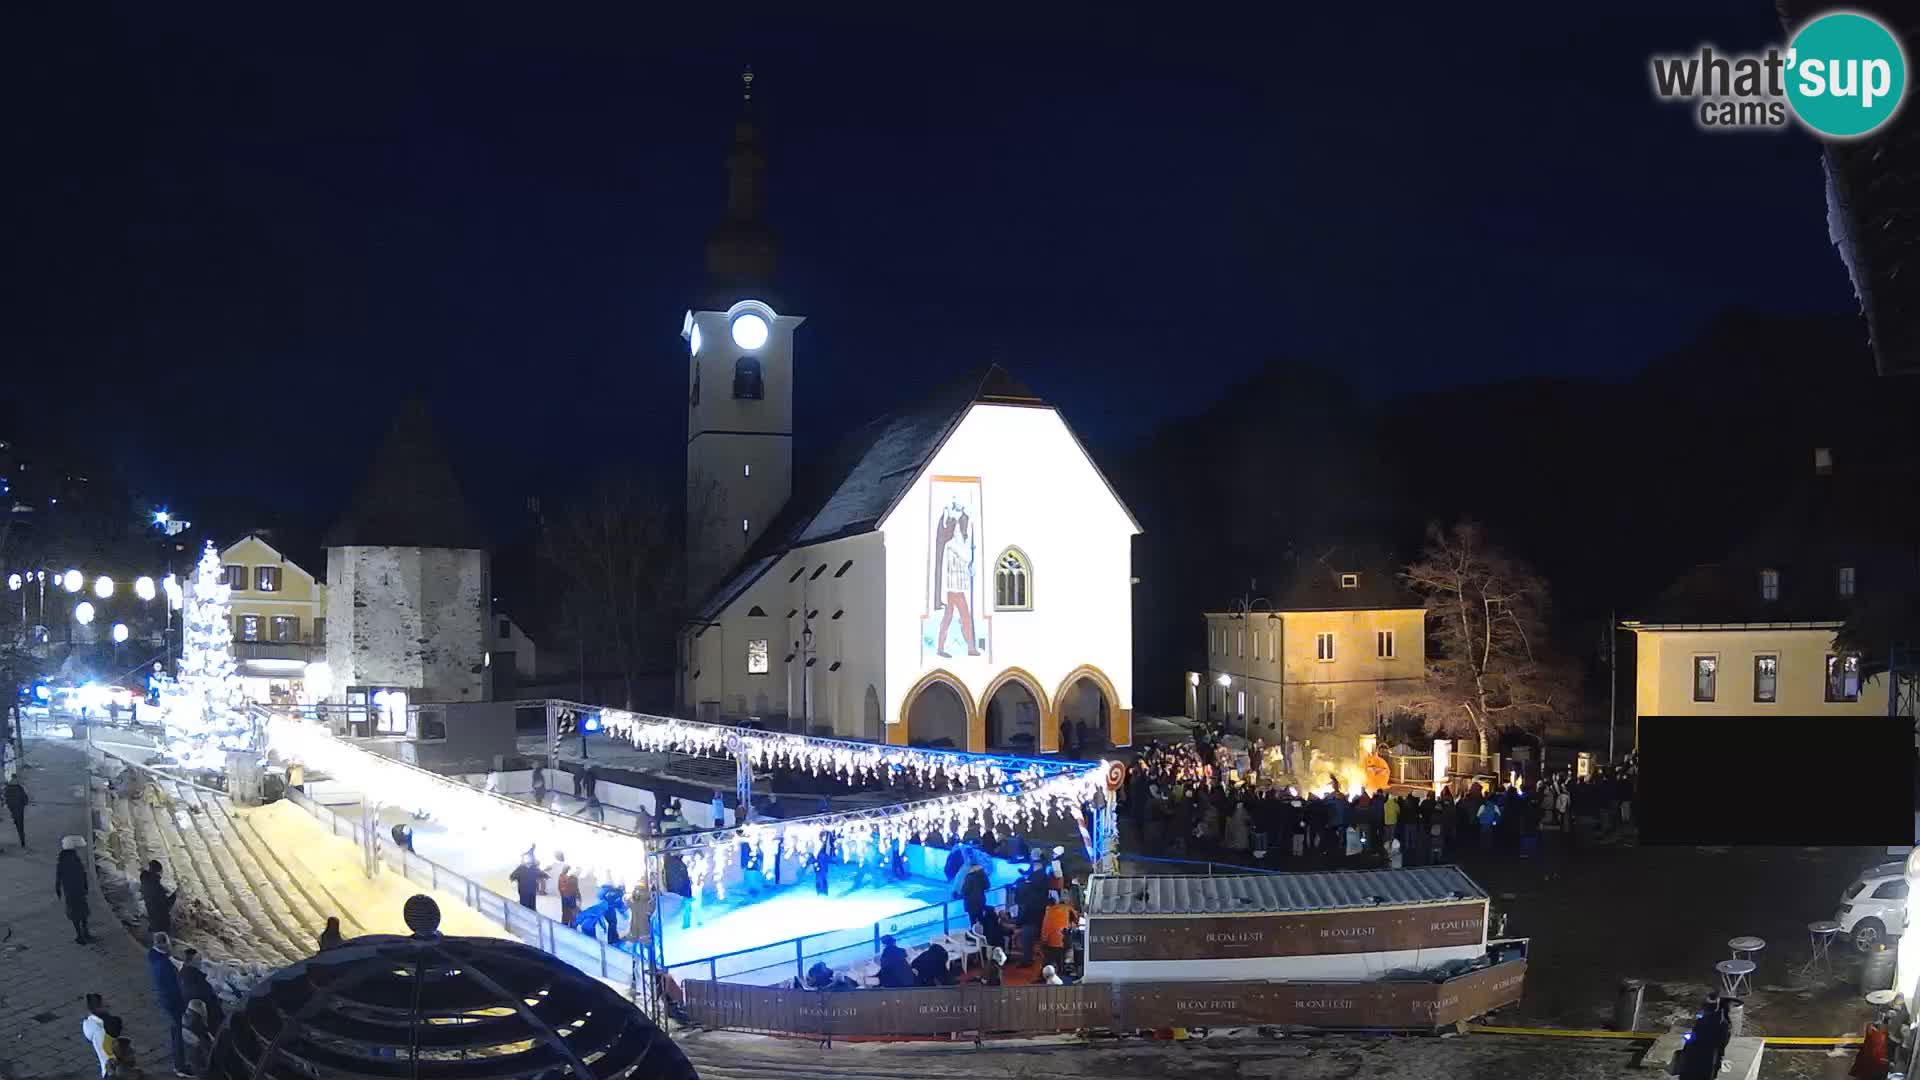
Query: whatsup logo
point(1843, 75)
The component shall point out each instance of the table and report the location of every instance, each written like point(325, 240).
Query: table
point(1744, 947)
point(1820, 935)
point(1735, 976)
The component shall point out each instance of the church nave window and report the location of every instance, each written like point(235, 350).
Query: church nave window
point(1013, 581)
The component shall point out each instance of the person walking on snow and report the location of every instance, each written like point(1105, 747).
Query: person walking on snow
point(70, 884)
point(166, 988)
point(16, 799)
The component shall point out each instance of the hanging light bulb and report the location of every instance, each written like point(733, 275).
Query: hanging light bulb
point(143, 587)
point(83, 613)
point(119, 632)
point(103, 586)
point(72, 581)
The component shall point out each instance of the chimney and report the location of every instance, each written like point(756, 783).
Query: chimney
point(1822, 461)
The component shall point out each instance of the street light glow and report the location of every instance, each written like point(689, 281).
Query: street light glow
point(72, 581)
point(119, 632)
point(161, 517)
point(103, 586)
point(83, 613)
point(1226, 680)
point(143, 588)
point(13, 582)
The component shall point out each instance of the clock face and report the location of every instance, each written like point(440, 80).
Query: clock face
point(749, 331)
point(693, 339)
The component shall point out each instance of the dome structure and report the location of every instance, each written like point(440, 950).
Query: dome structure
point(428, 1006)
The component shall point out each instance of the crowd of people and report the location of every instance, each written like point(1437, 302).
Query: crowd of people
point(1183, 801)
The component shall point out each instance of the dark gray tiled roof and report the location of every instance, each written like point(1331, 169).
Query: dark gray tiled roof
point(410, 497)
point(1278, 893)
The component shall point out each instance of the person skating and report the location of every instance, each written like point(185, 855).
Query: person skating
point(568, 885)
point(526, 879)
point(330, 936)
point(403, 836)
point(70, 884)
point(157, 900)
point(16, 799)
point(166, 990)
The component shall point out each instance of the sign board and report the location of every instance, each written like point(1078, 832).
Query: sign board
point(1236, 937)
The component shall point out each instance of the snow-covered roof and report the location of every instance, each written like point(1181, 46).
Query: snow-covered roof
point(1275, 893)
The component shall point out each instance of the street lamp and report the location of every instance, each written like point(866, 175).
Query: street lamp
point(103, 586)
point(83, 613)
point(143, 588)
point(71, 581)
point(119, 632)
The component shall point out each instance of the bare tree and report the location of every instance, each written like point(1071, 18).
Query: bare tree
point(1488, 663)
point(618, 557)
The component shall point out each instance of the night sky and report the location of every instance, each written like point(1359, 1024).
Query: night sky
point(237, 239)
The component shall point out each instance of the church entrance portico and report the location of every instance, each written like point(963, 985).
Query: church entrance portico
point(938, 712)
point(1015, 714)
point(1086, 701)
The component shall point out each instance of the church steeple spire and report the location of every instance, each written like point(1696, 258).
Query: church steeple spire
point(741, 252)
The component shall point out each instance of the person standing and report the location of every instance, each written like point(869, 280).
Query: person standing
point(330, 936)
point(196, 988)
point(93, 1028)
point(197, 1032)
point(16, 799)
point(166, 989)
point(70, 884)
point(569, 889)
point(156, 898)
point(526, 879)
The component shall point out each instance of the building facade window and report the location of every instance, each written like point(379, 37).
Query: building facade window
point(1012, 581)
point(503, 629)
point(1240, 641)
point(1323, 647)
point(1769, 584)
point(1705, 671)
point(266, 579)
point(284, 628)
point(1383, 641)
point(1349, 581)
point(1766, 679)
point(1846, 582)
point(757, 656)
point(236, 577)
point(746, 379)
point(1324, 716)
point(1843, 678)
point(247, 627)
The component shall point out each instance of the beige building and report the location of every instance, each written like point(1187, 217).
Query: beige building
point(279, 612)
point(1310, 671)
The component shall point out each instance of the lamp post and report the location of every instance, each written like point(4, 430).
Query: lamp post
point(1243, 610)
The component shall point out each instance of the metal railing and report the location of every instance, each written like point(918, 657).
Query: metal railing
point(771, 963)
point(1212, 868)
point(591, 955)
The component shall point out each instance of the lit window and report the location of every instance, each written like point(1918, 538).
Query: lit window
point(1240, 639)
point(757, 656)
point(285, 628)
point(1323, 646)
point(1240, 705)
point(1766, 679)
point(746, 470)
point(1704, 670)
point(249, 627)
point(1769, 584)
point(1383, 641)
point(1013, 581)
point(1846, 582)
point(1843, 678)
point(1349, 581)
point(266, 578)
point(1324, 720)
point(1256, 644)
point(743, 524)
point(236, 577)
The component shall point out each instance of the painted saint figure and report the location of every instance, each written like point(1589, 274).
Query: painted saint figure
point(955, 542)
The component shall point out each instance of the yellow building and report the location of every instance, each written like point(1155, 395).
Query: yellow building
point(1310, 671)
point(1748, 669)
point(279, 619)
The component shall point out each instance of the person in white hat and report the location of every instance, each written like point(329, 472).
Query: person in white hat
point(1051, 977)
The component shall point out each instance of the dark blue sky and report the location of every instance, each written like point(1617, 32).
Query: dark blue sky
point(232, 232)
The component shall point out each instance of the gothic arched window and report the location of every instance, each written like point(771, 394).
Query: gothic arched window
point(746, 379)
point(1013, 581)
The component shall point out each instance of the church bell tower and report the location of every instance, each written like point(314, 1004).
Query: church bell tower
point(740, 381)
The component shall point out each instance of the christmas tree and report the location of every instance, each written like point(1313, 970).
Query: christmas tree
point(204, 719)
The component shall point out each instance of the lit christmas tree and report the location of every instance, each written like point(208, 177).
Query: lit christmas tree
point(204, 718)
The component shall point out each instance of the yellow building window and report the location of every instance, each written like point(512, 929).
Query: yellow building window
point(1766, 679)
point(1383, 641)
point(1705, 673)
point(1324, 719)
point(1323, 647)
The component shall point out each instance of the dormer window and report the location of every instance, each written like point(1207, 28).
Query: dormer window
point(1349, 581)
point(1845, 583)
point(1769, 585)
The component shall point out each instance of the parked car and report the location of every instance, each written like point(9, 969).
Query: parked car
point(1874, 907)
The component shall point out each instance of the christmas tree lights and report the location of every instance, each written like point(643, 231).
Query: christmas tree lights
point(204, 718)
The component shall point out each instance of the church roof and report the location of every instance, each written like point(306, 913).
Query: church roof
point(850, 490)
point(410, 497)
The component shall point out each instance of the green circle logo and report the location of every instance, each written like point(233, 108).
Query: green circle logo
point(1845, 74)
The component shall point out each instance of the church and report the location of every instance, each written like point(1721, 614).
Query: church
point(957, 574)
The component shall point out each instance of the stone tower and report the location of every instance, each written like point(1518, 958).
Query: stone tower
point(408, 577)
point(740, 380)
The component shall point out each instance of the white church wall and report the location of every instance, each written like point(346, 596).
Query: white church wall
point(1036, 490)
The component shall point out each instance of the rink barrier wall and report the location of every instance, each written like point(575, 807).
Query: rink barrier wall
point(587, 954)
point(1033, 1010)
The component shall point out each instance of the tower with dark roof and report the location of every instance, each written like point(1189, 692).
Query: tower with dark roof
point(740, 376)
point(407, 577)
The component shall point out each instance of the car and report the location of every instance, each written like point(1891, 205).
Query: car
point(1874, 907)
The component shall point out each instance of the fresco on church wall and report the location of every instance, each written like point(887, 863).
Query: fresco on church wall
point(955, 623)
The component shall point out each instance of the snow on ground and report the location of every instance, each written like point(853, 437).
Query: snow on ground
point(333, 867)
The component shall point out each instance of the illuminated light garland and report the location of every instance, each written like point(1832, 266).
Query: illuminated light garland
point(202, 707)
point(613, 856)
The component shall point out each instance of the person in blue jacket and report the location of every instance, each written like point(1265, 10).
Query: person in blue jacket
point(166, 987)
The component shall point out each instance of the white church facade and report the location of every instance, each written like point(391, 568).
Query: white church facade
point(956, 574)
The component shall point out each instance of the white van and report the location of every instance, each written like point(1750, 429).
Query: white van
point(1874, 907)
